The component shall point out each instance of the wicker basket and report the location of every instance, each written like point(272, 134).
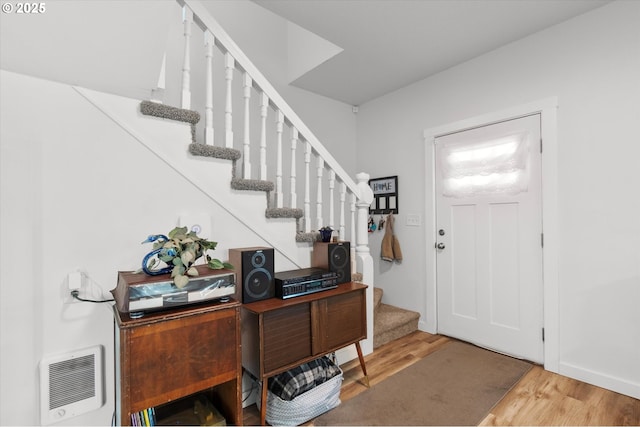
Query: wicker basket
point(304, 407)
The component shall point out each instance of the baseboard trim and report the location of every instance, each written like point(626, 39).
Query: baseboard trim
point(422, 325)
point(600, 379)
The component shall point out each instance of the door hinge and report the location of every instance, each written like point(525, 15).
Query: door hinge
point(542, 240)
point(542, 334)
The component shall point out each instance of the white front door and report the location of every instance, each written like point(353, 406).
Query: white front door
point(489, 232)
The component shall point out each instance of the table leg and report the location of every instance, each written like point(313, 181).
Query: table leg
point(263, 402)
point(362, 365)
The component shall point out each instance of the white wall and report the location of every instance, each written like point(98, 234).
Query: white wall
point(78, 192)
point(591, 64)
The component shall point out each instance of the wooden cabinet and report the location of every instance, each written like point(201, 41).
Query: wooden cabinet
point(165, 356)
point(278, 335)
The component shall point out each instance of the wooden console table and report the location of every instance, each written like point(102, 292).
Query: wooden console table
point(167, 355)
point(278, 335)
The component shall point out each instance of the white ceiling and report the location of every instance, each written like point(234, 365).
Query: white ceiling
point(89, 43)
point(388, 44)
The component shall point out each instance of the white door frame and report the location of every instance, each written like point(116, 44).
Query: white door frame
point(547, 108)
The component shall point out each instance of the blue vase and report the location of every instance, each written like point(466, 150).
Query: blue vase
point(325, 235)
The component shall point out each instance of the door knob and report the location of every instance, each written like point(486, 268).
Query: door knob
point(440, 245)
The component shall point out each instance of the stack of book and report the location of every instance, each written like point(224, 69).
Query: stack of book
point(146, 417)
point(193, 410)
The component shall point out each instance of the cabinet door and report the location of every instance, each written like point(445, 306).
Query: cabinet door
point(287, 336)
point(344, 320)
point(171, 359)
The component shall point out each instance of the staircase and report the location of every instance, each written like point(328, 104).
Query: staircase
point(391, 322)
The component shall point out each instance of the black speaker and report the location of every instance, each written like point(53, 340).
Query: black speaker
point(254, 271)
point(335, 257)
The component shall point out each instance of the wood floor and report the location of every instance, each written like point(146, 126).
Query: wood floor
point(539, 398)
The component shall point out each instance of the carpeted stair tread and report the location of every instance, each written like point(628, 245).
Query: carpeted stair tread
point(251, 185)
point(284, 213)
point(156, 109)
point(311, 237)
point(391, 323)
point(205, 150)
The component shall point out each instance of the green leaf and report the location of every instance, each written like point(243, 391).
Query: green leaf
point(177, 271)
point(193, 272)
point(178, 232)
point(206, 244)
point(215, 264)
point(187, 257)
point(177, 262)
point(180, 281)
point(166, 258)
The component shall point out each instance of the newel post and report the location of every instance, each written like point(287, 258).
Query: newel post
point(363, 256)
point(364, 261)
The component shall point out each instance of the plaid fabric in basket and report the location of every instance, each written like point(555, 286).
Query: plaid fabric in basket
point(296, 381)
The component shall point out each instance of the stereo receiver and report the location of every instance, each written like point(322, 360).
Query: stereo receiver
point(295, 283)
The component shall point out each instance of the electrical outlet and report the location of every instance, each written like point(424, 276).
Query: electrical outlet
point(75, 281)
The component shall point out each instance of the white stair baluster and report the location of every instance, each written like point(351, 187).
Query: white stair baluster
point(307, 177)
point(157, 94)
point(343, 198)
point(292, 190)
point(332, 186)
point(279, 129)
point(246, 156)
point(264, 108)
point(353, 224)
point(319, 218)
point(209, 41)
point(229, 64)
point(187, 19)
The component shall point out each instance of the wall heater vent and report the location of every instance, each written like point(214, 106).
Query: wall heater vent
point(70, 384)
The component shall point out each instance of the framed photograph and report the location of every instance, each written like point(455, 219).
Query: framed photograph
point(385, 195)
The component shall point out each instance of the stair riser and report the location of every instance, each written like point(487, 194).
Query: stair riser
point(395, 333)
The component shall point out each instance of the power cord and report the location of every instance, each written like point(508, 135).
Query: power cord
point(76, 294)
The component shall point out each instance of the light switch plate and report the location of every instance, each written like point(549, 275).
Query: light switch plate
point(414, 220)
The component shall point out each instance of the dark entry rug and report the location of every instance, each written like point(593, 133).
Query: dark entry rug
point(456, 385)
